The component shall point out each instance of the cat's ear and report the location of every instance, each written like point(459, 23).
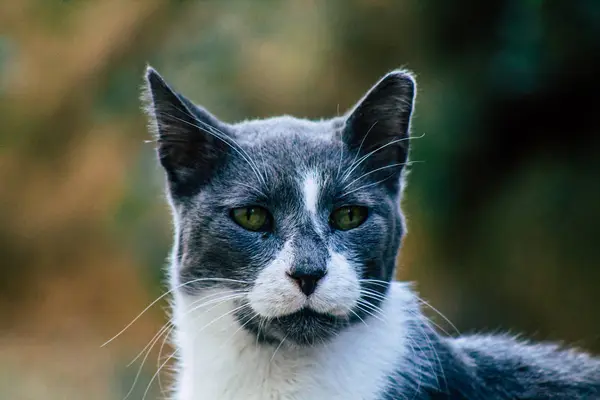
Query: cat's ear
point(188, 137)
point(378, 128)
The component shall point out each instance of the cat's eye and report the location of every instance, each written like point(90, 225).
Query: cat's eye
point(252, 218)
point(348, 217)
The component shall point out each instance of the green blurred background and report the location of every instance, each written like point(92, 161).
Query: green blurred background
point(503, 209)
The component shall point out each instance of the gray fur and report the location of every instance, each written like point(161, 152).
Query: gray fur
point(213, 166)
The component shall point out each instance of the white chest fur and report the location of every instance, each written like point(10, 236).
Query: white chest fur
point(223, 362)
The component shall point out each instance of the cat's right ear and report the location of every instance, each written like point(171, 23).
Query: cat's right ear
point(191, 142)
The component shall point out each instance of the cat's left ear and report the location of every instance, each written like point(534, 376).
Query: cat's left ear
point(192, 143)
point(378, 128)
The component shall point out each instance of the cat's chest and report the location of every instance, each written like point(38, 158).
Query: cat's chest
point(223, 363)
point(254, 377)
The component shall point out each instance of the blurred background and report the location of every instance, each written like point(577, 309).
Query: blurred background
point(504, 208)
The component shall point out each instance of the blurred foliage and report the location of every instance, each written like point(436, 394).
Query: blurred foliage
point(503, 210)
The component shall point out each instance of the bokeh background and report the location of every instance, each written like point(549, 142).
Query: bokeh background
point(504, 208)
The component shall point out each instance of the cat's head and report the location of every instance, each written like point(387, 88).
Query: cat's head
point(299, 219)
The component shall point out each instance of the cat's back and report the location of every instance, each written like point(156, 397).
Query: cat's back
point(493, 367)
point(531, 371)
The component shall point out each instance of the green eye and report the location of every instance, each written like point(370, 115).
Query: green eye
point(348, 217)
point(252, 218)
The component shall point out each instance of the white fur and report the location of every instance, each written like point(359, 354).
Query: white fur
point(310, 191)
point(225, 363)
point(274, 293)
point(338, 292)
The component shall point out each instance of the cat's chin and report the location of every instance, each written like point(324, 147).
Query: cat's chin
point(304, 327)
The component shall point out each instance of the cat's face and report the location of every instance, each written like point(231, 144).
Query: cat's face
point(298, 220)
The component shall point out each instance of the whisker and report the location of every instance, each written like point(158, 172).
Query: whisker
point(222, 136)
point(168, 326)
point(410, 342)
point(379, 169)
point(377, 282)
point(264, 164)
point(197, 332)
point(435, 353)
point(373, 307)
point(366, 156)
point(429, 321)
point(359, 148)
point(358, 316)
point(369, 312)
point(139, 371)
point(341, 156)
point(373, 294)
point(366, 186)
point(162, 390)
point(251, 187)
point(239, 329)
point(151, 343)
point(221, 317)
point(158, 372)
point(422, 301)
point(262, 322)
point(368, 296)
point(171, 320)
point(166, 294)
point(278, 347)
point(218, 302)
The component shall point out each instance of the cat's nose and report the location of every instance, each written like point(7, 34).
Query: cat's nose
point(307, 280)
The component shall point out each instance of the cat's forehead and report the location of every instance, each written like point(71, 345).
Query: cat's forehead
point(287, 130)
point(290, 147)
point(288, 159)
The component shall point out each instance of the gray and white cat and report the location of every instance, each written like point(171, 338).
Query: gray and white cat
point(286, 237)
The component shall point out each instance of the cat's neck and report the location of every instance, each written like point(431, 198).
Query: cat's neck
point(219, 360)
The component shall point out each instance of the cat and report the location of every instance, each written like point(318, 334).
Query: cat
point(287, 232)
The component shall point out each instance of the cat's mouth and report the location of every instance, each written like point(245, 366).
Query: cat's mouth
point(304, 327)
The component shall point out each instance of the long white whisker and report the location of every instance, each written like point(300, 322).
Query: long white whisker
point(239, 329)
point(221, 317)
point(169, 326)
point(170, 321)
point(139, 371)
point(361, 305)
point(429, 321)
point(162, 391)
point(373, 307)
point(251, 187)
point(222, 136)
point(197, 332)
point(359, 148)
point(409, 342)
point(378, 282)
point(262, 322)
point(341, 155)
point(373, 294)
point(158, 372)
point(378, 169)
point(166, 294)
point(366, 186)
point(439, 313)
point(151, 343)
point(366, 156)
point(434, 351)
point(278, 347)
point(264, 164)
point(358, 316)
point(218, 303)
